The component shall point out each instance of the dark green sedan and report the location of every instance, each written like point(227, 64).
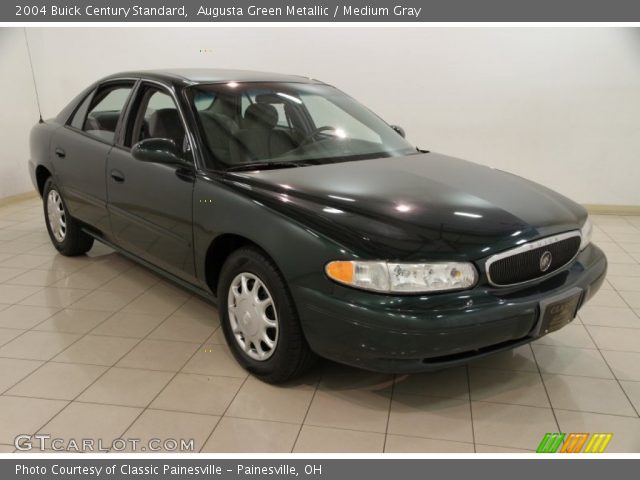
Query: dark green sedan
point(313, 224)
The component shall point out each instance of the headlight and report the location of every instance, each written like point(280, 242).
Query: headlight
point(391, 277)
point(585, 234)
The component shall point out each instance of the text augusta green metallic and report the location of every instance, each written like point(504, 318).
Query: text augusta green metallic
point(313, 224)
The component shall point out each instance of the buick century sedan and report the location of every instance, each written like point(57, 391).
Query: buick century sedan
point(315, 227)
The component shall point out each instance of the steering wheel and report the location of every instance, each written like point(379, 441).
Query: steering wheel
point(315, 133)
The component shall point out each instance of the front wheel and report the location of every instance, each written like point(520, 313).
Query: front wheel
point(259, 319)
point(64, 231)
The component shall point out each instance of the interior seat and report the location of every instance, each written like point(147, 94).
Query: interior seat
point(258, 139)
point(220, 130)
point(165, 123)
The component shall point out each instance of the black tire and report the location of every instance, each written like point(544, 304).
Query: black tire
point(75, 241)
point(291, 356)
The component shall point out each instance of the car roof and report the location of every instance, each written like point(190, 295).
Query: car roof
point(191, 76)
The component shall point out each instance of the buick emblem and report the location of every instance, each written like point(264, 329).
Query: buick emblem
point(545, 261)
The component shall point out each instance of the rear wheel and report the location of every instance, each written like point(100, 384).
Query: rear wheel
point(64, 231)
point(259, 318)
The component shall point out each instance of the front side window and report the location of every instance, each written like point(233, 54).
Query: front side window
point(105, 110)
point(157, 117)
point(276, 125)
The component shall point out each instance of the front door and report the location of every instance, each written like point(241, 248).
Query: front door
point(150, 204)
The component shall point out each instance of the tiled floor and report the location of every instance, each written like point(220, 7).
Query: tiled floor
point(98, 347)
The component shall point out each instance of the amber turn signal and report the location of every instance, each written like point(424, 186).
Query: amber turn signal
point(340, 271)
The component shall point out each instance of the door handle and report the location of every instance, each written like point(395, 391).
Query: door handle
point(117, 175)
point(60, 153)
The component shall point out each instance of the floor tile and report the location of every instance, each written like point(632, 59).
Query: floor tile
point(632, 389)
point(159, 355)
point(234, 435)
point(163, 425)
point(87, 278)
point(508, 386)
point(68, 265)
point(451, 382)
point(38, 345)
point(185, 329)
point(352, 399)
point(492, 449)
point(404, 444)
point(331, 440)
point(54, 297)
point(105, 301)
point(598, 395)
point(625, 430)
point(431, 417)
point(197, 308)
point(13, 370)
point(609, 317)
point(15, 293)
point(57, 381)
point(571, 361)
point(126, 386)
point(513, 426)
point(124, 324)
point(155, 304)
point(7, 273)
point(25, 415)
point(24, 316)
point(625, 339)
point(24, 261)
point(38, 278)
point(7, 334)
point(198, 394)
point(632, 299)
point(607, 298)
point(71, 320)
point(628, 284)
point(520, 358)
point(573, 335)
point(86, 420)
point(97, 350)
point(625, 269)
point(625, 365)
point(136, 280)
point(262, 401)
point(215, 360)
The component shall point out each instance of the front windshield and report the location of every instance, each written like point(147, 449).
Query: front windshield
point(278, 125)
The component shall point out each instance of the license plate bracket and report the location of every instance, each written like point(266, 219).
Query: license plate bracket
point(558, 311)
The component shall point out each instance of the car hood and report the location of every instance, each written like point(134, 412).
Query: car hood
point(418, 207)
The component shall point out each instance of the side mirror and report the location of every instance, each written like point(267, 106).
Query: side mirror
point(399, 130)
point(158, 150)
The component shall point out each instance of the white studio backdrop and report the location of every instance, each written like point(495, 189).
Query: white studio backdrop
point(560, 106)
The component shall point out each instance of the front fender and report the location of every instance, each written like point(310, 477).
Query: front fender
point(299, 252)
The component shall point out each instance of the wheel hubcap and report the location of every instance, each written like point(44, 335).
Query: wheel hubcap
point(253, 317)
point(56, 216)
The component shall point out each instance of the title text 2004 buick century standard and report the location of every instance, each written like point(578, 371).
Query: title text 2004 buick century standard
point(317, 228)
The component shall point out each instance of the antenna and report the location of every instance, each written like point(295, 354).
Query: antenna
point(33, 75)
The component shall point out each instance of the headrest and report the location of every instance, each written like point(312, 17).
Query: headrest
point(165, 123)
point(260, 115)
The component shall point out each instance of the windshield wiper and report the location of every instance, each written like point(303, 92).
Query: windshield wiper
point(262, 166)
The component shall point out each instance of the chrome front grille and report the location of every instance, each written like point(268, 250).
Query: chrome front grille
point(533, 260)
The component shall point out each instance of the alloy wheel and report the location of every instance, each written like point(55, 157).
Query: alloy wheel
point(253, 316)
point(56, 216)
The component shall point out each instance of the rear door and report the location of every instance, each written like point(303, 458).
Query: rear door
point(79, 151)
point(150, 204)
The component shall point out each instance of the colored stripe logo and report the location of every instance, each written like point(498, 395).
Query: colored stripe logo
point(574, 443)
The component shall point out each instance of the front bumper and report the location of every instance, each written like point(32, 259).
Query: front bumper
point(404, 334)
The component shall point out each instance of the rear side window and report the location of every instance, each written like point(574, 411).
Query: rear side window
point(104, 113)
point(77, 121)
